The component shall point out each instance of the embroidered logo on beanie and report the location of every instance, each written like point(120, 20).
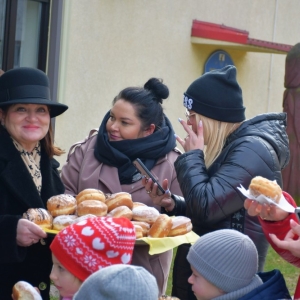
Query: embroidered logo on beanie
point(216, 95)
point(94, 243)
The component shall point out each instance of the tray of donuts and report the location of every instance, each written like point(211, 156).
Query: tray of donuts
point(150, 225)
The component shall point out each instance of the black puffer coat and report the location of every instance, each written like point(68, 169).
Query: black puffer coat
point(18, 193)
point(258, 147)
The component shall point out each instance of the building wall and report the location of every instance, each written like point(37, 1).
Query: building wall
point(108, 45)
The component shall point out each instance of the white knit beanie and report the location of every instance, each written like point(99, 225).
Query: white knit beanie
point(116, 282)
point(226, 258)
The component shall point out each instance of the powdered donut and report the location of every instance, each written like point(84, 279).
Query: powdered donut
point(94, 207)
point(81, 218)
point(135, 204)
point(145, 214)
point(60, 222)
point(90, 194)
point(62, 204)
point(23, 290)
point(121, 211)
point(39, 216)
point(161, 227)
point(180, 225)
point(260, 185)
point(118, 199)
point(145, 226)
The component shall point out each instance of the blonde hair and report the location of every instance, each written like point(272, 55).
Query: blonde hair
point(215, 134)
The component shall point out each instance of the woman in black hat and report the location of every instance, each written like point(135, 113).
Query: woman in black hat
point(28, 176)
point(222, 152)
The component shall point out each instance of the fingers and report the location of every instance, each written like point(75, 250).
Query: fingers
point(278, 242)
point(295, 227)
point(253, 207)
point(28, 233)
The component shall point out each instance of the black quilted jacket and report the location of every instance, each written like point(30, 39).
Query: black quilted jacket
point(258, 147)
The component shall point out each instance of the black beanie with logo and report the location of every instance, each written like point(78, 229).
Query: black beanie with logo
point(216, 95)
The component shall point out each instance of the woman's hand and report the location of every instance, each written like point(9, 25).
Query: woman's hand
point(291, 241)
point(28, 233)
point(269, 212)
point(193, 140)
point(164, 200)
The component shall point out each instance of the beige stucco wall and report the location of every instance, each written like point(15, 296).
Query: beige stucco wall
point(108, 45)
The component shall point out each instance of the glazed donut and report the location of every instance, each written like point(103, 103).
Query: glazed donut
point(94, 207)
point(62, 204)
point(121, 211)
point(145, 226)
point(138, 231)
point(60, 222)
point(180, 226)
point(23, 290)
point(39, 216)
point(90, 194)
point(260, 185)
point(145, 214)
point(118, 199)
point(161, 227)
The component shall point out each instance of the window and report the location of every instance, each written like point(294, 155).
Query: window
point(24, 33)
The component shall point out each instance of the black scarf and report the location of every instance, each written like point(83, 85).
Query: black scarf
point(120, 154)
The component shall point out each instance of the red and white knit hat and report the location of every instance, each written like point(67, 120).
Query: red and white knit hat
point(85, 247)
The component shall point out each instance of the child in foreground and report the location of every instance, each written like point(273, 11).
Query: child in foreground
point(224, 265)
point(86, 247)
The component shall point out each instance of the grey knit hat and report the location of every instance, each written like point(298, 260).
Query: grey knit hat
point(226, 258)
point(216, 95)
point(119, 282)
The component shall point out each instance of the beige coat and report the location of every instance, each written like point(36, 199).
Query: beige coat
point(82, 170)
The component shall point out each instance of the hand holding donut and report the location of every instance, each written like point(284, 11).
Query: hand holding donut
point(269, 212)
point(28, 233)
point(193, 140)
point(164, 200)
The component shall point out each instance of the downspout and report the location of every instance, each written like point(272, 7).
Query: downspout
point(271, 61)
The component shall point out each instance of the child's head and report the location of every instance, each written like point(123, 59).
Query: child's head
point(119, 282)
point(222, 262)
point(85, 247)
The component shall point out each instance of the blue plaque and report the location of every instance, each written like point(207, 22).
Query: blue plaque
point(218, 60)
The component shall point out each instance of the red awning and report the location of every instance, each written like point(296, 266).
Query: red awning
point(216, 34)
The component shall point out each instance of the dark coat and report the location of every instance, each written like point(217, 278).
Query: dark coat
point(18, 193)
point(273, 287)
point(258, 147)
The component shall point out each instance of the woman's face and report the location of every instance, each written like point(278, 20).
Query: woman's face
point(203, 289)
point(27, 123)
point(123, 123)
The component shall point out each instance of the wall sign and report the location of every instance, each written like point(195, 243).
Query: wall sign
point(218, 60)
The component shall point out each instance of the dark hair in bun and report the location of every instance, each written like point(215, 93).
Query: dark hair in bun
point(147, 101)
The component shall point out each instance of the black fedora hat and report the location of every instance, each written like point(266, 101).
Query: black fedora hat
point(28, 86)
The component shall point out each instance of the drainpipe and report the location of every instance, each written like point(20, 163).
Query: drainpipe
point(271, 62)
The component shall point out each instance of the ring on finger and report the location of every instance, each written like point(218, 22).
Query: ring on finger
point(148, 192)
point(186, 137)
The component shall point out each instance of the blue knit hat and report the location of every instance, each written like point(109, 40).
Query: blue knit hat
point(216, 95)
point(116, 282)
point(226, 258)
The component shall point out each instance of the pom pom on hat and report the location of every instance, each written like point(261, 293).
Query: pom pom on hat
point(119, 282)
point(216, 95)
point(226, 258)
point(87, 246)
